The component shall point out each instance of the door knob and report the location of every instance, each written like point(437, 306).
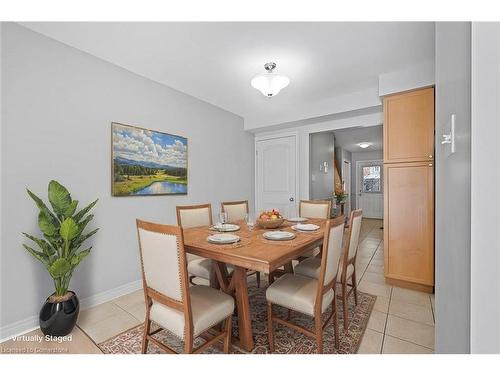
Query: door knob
point(291, 199)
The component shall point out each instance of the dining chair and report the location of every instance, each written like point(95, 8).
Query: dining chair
point(310, 209)
point(191, 217)
point(308, 295)
point(237, 211)
point(311, 267)
point(314, 209)
point(186, 312)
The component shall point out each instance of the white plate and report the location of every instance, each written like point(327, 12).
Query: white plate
point(226, 227)
point(297, 219)
point(278, 235)
point(223, 238)
point(305, 227)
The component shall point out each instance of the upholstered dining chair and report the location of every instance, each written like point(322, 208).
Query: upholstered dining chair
point(237, 211)
point(314, 209)
point(307, 295)
point(311, 267)
point(310, 209)
point(190, 217)
point(170, 302)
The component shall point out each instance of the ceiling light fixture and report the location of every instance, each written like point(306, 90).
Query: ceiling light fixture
point(269, 83)
point(364, 144)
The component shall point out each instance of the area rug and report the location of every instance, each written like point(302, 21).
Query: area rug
point(287, 341)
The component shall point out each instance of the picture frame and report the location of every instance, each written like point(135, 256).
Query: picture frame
point(147, 162)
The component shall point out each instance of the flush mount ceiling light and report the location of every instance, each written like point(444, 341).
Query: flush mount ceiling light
point(364, 144)
point(270, 84)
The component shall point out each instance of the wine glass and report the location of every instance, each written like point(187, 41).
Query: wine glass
point(223, 219)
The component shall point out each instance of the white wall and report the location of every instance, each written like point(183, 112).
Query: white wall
point(321, 147)
point(452, 188)
point(485, 207)
point(58, 104)
point(361, 156)
point(410, 78)
point(335, 104)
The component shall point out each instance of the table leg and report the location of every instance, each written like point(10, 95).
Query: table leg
point(244, 319)
point(214, 282)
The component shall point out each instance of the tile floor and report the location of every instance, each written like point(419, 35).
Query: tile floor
point(402, 320)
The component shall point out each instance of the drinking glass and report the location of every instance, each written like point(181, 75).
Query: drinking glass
point(250, 221)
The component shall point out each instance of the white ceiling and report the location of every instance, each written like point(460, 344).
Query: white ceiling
point(216, 61)
point(348, 139)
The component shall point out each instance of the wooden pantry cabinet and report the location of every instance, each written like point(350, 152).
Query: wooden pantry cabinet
point(409, 126)
point(409, 189)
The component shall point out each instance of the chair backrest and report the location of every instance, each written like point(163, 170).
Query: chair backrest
point(353, 234)
point(163, 260)
point(194, 216)
point(332, 250)
point(317, 209)
point(235, 210)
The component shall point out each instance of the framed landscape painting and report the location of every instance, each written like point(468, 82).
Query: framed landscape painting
point(147, 162)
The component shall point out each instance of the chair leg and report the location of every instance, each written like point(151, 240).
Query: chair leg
point(344, 305)
point(227, 339)
point(188, 344)
point(270, 332)
point(355, 288)
point(147, 327)
point(335, 322)
point(289, 314)
point(257, 275)
point(319, 333)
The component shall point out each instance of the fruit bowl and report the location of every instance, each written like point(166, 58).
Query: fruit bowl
point(270, 219)
point(270, 224)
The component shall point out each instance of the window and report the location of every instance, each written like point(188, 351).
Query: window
point(371, 179)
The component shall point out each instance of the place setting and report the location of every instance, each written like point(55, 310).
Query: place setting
point(306, 228)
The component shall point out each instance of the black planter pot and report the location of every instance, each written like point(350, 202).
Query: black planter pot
point(59, 319)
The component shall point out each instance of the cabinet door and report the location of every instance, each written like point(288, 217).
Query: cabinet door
point(409, 222)
point(409, 126)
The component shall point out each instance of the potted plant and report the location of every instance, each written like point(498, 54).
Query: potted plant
point(341, 197)
point(60, 252)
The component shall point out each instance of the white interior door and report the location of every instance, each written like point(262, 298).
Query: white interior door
point(276, 174)
point(369, 182)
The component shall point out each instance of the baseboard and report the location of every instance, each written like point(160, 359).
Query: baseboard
point(18, 328)
point(410, 285)
point(31, 323)
point(108, 295)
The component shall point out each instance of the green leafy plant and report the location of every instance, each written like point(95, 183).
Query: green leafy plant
point(63, 235)
point(341, 197)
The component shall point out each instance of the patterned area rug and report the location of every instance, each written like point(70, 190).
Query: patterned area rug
point(287, 341)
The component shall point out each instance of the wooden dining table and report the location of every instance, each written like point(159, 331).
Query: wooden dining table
point(252, 252)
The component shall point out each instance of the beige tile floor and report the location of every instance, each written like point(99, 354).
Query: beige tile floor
point(402, 320)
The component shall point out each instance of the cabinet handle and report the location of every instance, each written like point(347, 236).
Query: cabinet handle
point(430, 156)
point(430, 164)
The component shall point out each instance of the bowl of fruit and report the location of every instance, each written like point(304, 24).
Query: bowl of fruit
point(270, 219)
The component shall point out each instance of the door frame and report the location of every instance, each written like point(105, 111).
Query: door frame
point(266, 137)
point(349, 192)
point(358, 162)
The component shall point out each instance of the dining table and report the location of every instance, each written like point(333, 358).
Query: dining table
point(252, 252)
